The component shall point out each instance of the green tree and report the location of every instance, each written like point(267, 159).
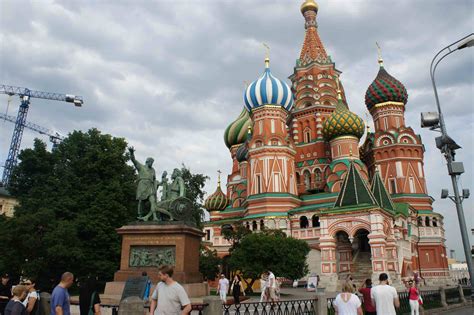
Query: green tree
point(270, 250)
point(71, 201)
point(194, 184)
point(234, 234)
point(209, 263)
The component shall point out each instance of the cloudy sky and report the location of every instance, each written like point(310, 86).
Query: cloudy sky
point(169, 75)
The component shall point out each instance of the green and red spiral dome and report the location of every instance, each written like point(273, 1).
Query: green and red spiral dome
point(217, 201)
point(385, 88)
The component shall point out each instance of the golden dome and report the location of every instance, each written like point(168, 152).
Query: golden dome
point(309, 5)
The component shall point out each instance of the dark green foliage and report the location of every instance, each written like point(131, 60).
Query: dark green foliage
point(209, 263)
point(194, 184)
point(270, 250)
point(234, 234)
point(71, 202)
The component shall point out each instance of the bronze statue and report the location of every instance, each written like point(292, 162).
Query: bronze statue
point(173, 204)
point(146, 189)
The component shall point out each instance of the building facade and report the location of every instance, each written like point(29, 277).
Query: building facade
point(7, 203)
point(298, 165)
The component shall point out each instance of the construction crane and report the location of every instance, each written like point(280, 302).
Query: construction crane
point(25, 96)
point(54, 137)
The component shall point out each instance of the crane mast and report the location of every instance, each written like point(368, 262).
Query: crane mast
point(25, 95)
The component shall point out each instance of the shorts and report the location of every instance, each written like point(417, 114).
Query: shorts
point(272, 293)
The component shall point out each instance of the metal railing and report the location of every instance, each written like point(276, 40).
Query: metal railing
point(452, 296)
point(300, 307)
point(196, 309)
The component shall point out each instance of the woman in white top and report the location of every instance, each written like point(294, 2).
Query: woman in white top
point(32, 299)
point(347, 303)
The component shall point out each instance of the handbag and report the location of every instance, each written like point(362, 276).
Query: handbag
point(420, 300)
point(91, 308)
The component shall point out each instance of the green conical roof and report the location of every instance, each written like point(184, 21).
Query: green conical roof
point(354, 190)
point(380, 193)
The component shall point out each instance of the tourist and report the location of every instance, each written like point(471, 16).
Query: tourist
point(15, 305)
point(32, 299)
point(385, 297)
point(347, 303)
point(146, 295)
point(272, 286)
point(223, 288)
point(365, 291)
point(89, 300)
point(414, 297)
point(237, 288)
point(169, 297)
point(5, 292)
point(264, 288)
point(351, 282)
point(60, 297)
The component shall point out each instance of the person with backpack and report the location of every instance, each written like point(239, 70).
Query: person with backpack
point(32, 299)
point(89, 300)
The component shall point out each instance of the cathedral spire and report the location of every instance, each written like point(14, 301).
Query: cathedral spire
point(313, 49)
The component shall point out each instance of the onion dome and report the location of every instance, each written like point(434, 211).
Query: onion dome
point(236, 132)
point(268, 90)
point(385, 88)
point(218, 200)
point(342, 122)
point(309, 5)
point(242, 153)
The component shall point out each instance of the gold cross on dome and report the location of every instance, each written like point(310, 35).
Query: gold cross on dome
point(379, 53)
point(219, 178)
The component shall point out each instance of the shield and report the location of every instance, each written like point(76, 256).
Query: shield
point(182, 209)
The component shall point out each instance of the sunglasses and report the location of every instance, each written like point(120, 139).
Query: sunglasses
point(27, 283)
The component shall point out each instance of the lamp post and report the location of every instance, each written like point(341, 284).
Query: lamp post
point(447, 146)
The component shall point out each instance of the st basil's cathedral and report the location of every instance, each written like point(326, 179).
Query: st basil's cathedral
point(298, 165)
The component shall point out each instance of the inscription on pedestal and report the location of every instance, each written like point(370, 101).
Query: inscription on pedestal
point(152, 256)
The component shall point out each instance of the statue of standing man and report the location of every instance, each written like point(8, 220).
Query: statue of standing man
point(147, 184)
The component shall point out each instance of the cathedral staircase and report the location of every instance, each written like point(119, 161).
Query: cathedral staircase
point(362, 268)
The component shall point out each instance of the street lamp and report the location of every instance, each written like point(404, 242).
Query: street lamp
point(447, 146)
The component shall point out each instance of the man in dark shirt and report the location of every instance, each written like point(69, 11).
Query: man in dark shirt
point(368, 304)
point(5, 292)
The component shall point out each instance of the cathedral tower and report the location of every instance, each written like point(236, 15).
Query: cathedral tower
point(315, 88)
point(271, 169)
point(394, 149)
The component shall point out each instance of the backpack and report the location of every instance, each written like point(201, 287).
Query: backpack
point(37, 309)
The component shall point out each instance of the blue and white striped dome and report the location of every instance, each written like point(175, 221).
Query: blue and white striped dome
point(268, 90)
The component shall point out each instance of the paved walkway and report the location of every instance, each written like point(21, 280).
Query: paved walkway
point(460, 311)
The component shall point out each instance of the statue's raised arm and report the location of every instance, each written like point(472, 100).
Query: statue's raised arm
point(131, 150)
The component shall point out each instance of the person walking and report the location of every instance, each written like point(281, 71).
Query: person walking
point(32, 299)
point(5, 292)
point(264, 288)
point(413, 297)
point(169, 297)
point(365, 290)
point(272, 286)
point(146, 295)
point(385, 297)
point(237, 288)
point(347, 303)
point(89, 300)
point(60, 304)
point(15, 305)
point(223, 288)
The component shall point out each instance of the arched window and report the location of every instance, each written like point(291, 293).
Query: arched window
point(435, 222)
point(307, 135)
point(254, 225)
point(427, 221)
point(304, 222)
point(297, 178)
point(318, 176)
point(262, 225)
point(307, 180)
point(315, 221)
point(247, 225)
point(420, 221)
